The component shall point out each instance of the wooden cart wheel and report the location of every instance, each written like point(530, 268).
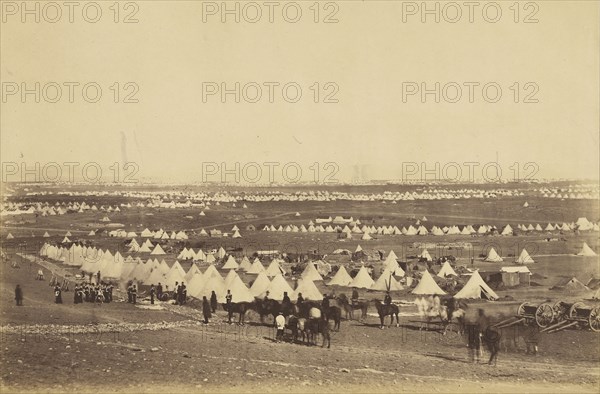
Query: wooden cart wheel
point(544, 315)
point(573, 310)
point(594, 319)
point(521, 309)
point(560, 311)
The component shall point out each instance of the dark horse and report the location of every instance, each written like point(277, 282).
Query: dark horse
point(238, 307)
point(318, 326)
point(271, 307)
point(349, 308)
point(384, 310)
point(333, 313)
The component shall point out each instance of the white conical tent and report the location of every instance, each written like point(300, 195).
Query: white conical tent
point(446, 270)
point(274, 268)
point(195, 284)
point(194, 270)
point(341, 277)
point(524, 258)
point(277, 287)
point(358, 249)
point(427, 286)
point(157, 276)
point(386, 282)
point(239, 291)
point(256, 267)
point(229, 277)
point(476, 288)
point(586, 251)
point(425, 255)
point(507, 230)
point(309, 290)
point(175, 274)
point(362, 279)
point(231, 264)
point(311, 273)
point(245, 264)
point(260, 284)
point(10, 236)
point(163, 266)
point(213, 281)
point(157, 250)
point(221, 253)
point(493, 256)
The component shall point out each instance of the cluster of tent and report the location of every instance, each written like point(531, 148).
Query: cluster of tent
point(525, 258)
point(45, 209)
point(577, 192)
point(366, 231)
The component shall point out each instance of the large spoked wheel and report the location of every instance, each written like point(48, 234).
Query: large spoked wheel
point(521, 309)
point(594, 319)
point(573, 310)
point(544, 315)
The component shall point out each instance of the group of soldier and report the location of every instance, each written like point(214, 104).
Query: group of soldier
point(89, 292)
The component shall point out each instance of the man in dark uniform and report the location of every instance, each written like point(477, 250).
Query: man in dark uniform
point(206, 309)
point(152, 294)
point(129, 293)
point(159, 291)
point(300, 299)
point(213, 301)
point(325, 302)
point(57, 295)
point(286, 302)
point(134, 294)
point(178, 290)
point(183, 293)
point(109, 292)
point(325, 306)
point(354, 296)
point(388, 298)
point(228, 299)
point(19, 295)
point(76, 295)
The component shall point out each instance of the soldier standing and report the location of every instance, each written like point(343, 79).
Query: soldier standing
point(19, 295)
point(152, 294)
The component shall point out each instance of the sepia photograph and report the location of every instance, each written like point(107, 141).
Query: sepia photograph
point(304, 196)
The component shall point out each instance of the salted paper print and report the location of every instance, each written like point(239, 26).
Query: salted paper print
point(299, 196)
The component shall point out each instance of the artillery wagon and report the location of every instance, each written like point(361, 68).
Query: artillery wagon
point(541, 314)
point(577, 315)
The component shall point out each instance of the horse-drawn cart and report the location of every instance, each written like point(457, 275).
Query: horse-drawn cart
point(577, 315)
point(542, 314)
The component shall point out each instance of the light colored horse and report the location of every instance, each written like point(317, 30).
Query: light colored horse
point(431, 308)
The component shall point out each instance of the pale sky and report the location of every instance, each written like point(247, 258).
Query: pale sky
point(368, 54)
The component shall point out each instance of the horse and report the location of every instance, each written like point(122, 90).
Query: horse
point(298, 327)
point(384, 310)
point(318, 326)
point(332, 313)
point(272, 307)
point(238, 307)
point(451, 309)
point(349, 308)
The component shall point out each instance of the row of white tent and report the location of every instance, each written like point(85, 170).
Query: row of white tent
point(202, 284)
point(525, 258)
point(422, 230)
